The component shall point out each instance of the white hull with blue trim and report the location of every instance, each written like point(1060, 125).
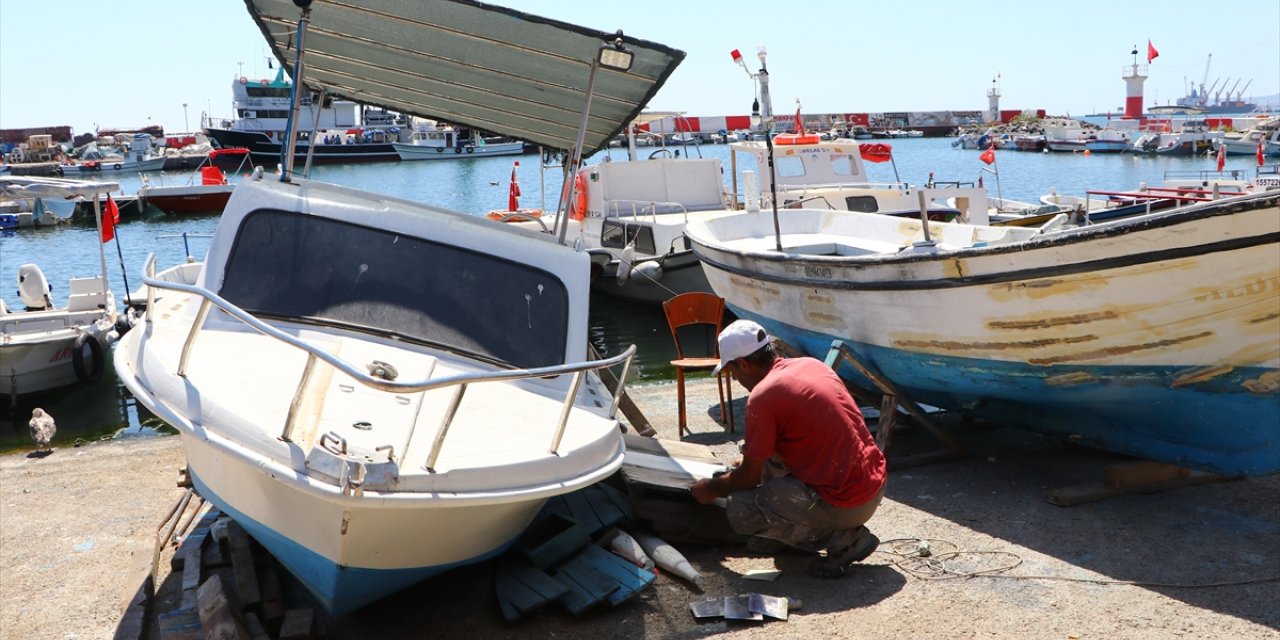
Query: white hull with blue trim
point(1156, 336)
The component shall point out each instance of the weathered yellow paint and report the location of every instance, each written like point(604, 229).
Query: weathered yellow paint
point(1116, 350)
point(1053, 321)
point(1200, 374)
point(1070, 379)
point(988, 346)
point(1256, 287)
point(1268, 382)
point(954, 268)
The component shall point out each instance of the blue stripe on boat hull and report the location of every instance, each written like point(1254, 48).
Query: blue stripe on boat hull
point(340, 589)
point(1217, 425)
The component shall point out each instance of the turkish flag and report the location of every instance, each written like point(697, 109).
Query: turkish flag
point(988, 156)
point(1152, 54)
point(513, 195)
point(1222, 156)
point(110, 216)
point(799, 122)
point(1260, 160)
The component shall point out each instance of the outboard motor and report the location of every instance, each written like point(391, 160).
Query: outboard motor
point(34, 288)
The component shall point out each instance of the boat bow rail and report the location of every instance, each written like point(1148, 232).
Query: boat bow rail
point(362, 474)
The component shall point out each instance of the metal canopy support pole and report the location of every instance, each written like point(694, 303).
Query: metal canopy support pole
point(315, 126)
point(102, 253)
point(567, 188)
point(290, 131)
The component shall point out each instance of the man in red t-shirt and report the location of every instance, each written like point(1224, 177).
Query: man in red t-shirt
point(811, 475)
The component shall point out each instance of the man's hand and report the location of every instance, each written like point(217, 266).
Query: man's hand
point(703, 491)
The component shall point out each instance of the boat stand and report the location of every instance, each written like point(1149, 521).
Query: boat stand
point(1136, 477)
point(891, 398)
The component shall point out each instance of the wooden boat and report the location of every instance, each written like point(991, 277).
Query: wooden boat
point(1153, 335)
point(46, 346)
point(376, 389)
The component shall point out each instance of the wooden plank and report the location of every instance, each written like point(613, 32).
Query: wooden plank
point(517, 593)
point(551, 540)
point(683, 520)
point(581, 512)
point(191, 570)
point(538, 580)
point(620, 499)
point(670, 448)
point(629, 577)
point(577, 598)
point(216, 615)
point(508, 610)
point(269, 585)
point(182, 624)
point(299, 624)
point(576, 571)
point(607, 513)
point(254, 627)
point(246, 577)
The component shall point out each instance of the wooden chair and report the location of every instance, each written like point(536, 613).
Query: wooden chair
point(688, 310)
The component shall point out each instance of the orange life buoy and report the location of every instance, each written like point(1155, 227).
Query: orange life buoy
point(794, 138)
point(578, 208)
point(263, 82)
point(519, 215)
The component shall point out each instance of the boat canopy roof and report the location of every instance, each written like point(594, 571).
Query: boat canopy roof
point(468, 63)
point(22, 188)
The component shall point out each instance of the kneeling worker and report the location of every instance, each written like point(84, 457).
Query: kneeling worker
point(811, 474)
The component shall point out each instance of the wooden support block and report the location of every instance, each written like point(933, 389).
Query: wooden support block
point(582, 513)
point(299, 624)
point(182, 624)
point(552, 539)
point(520, 595)
point(618, 498)
point(671, 448)
point(629, 578)
point(594, 580)
point(536, 579)
point(1093, 492)
point(191, 570)
point(269, 582)
point(606, 510)
point(508, 610)
point(577, 598)
point(254, 627)
point(676, 517)
point(133, 624)
point(1139, 473)
point(586, 587)
point(246, 577)
point(217, 617)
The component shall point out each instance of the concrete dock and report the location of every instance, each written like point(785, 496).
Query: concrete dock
point(77, 528)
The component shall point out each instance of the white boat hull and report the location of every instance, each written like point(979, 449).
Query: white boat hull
point(409, 151)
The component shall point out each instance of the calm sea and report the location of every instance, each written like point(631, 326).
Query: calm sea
point(475, 186)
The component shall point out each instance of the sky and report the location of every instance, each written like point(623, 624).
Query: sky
point(129, 63)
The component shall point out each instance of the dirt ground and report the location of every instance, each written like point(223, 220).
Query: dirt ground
point(77, 526)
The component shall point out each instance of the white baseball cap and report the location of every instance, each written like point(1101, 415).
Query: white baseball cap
point(739, 340)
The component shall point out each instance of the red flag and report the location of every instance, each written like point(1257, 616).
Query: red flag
point(1260, 160)
point(799, 122)
point(1152, 54)
point(514, 192)
point(1222, 156)
point(988, 156)
point(110, 216)
point(737, 57)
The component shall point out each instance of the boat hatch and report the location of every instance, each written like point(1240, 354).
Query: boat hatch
point(469, 63)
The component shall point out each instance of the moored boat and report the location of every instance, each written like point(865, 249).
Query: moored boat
point(1136, 335)
point(44, 345)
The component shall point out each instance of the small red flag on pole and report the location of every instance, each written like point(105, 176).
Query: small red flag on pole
point(110, 216)
point(799, 122)
point(1222, 156)
point(988, 156)
point(1261, 161)
point(1152, 54)
point(514, 193)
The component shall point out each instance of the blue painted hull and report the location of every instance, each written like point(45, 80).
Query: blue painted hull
point(338, 588)
point(1216, 426)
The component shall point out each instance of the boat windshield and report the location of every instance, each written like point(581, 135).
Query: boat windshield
point(294, 266)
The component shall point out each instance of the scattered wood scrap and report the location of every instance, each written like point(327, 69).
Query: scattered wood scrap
point(658, 474)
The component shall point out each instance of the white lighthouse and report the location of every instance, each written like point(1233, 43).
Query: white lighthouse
point(1134, 75)
point(993, 101)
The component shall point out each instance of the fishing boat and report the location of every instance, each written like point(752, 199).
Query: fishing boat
point(372, 429)
point(45, 345)
point(429, 141)
point(140, 155)
point(1138, 335)
point(207, 197)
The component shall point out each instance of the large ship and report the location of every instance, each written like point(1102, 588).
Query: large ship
point(345, 131)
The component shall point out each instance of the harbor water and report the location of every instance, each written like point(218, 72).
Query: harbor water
point(476, 186)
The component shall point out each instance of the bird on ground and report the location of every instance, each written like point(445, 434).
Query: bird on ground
point(42, 428)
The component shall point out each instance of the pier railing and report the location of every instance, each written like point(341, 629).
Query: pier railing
point(459, 383)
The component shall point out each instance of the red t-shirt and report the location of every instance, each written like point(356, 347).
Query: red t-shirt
point(802, 412)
